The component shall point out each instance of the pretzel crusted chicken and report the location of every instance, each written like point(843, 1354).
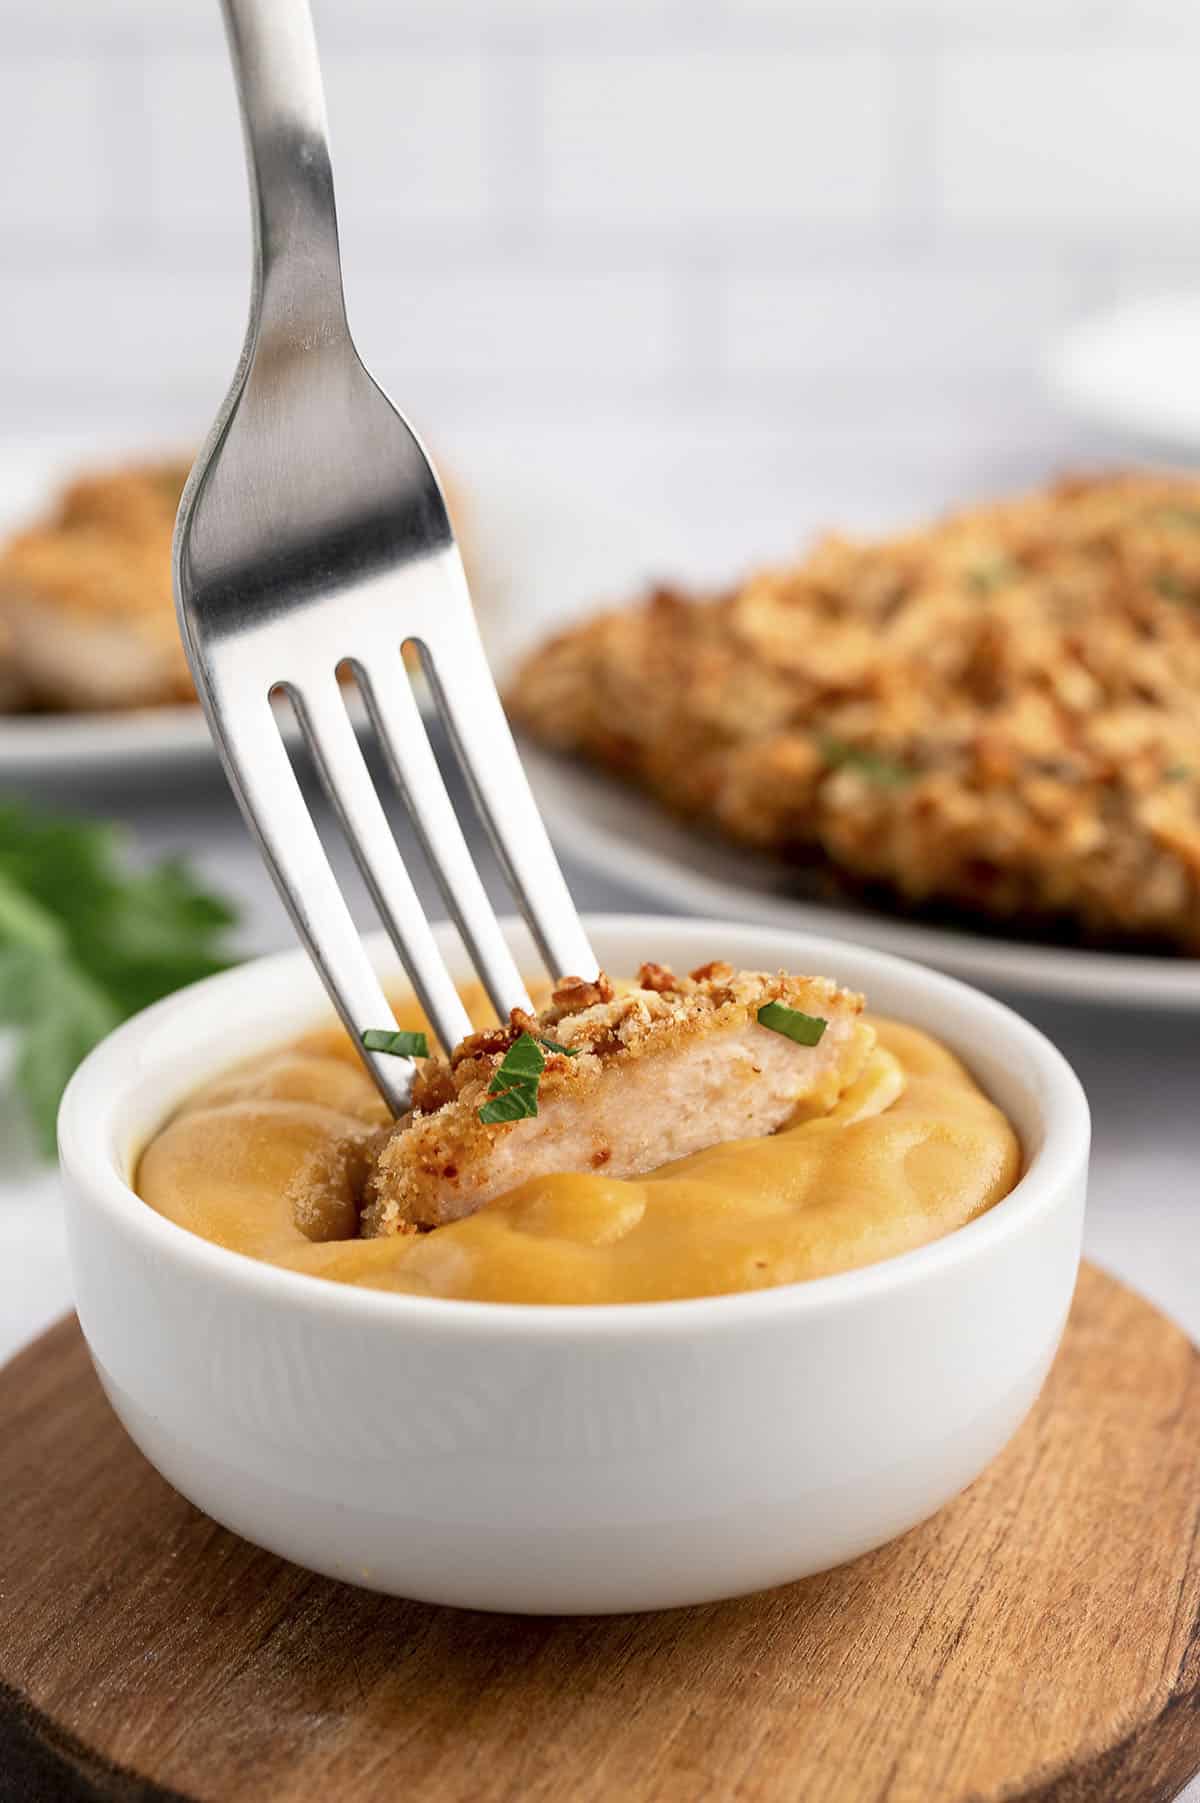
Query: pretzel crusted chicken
point(87, 612)
point(85, 597)
point(626, 1082)
point(1000, 712)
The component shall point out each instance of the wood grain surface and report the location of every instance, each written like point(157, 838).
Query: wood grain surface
point(1037, 1640)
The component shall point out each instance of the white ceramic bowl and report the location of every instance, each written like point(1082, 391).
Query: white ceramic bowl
point(569, 1459)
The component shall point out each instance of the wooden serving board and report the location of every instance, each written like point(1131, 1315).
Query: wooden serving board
point(1037, 1640)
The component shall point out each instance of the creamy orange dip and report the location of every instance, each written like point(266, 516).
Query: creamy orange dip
point(270, 1160)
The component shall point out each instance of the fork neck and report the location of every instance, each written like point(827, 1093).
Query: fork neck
point(298, 298)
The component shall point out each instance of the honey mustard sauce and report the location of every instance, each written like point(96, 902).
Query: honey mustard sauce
point(270, 1159)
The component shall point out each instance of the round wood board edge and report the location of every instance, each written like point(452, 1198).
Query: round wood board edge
point(1038, 1641)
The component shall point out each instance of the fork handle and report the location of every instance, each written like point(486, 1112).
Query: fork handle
point(298, 273)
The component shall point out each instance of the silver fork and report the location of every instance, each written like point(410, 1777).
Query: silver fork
point(313, 537)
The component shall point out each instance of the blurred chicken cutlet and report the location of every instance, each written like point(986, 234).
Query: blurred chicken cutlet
point(1000, 712)
point(85, 596)
point(87, 612)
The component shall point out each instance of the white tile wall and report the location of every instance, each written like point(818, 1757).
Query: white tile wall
point(56, 185)
point(193, 187)
point(413, 136)
point(609, 334)
point(887, 320)
point(426, 163)
point(669, 140)
point(1083, 140)
point(709, 219)
point(141, 337)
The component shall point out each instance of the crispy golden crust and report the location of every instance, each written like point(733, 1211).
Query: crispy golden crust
point(1001, 711)
point(91, 574)
point(133, 502)
point(105, 547)
point(443, 1146)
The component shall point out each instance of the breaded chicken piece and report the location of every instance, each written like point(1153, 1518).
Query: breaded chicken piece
point(999, 712)
point(660, 1071)
point(134, 502)
point(85, 598)
point(91, 620)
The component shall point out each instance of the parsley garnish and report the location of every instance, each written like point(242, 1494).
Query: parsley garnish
point(397, 1041)
point(1177, 773)
point(876, 768)
point(514, 1086)
point(1173, 588)
point(805, 1029)
point(989, 573)
point(85, 942)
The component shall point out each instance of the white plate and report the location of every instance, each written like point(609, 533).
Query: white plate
point(616, 831)
point(1136, 367)
point(101, 746)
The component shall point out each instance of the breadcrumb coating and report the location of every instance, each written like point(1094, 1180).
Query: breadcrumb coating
point(1000, 712)
point(658, 1071)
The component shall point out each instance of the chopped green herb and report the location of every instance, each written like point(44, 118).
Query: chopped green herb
point(515, 1104)
point(522, 1063)
point(397, 1041)
point(85, 941)
point(875, 767)
point(514, 1086)
point(805, 1029)
point(552, 1045)
point(1173, 587)
point(1177, 773)
point(989, 573)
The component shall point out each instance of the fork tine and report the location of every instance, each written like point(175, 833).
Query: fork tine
point(396, 718)
point(456, 665)
point(331, 738)
point(261, 776)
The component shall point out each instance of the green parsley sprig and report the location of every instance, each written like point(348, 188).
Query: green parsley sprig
point(398, 1041)
point(1173, 587)
point(85, 942)
point(514, 1086)
point(805, 1029)
point(987, 574)
point(1173, 515)
point(885, 771)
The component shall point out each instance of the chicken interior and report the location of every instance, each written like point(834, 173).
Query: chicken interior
point(651, 1075)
